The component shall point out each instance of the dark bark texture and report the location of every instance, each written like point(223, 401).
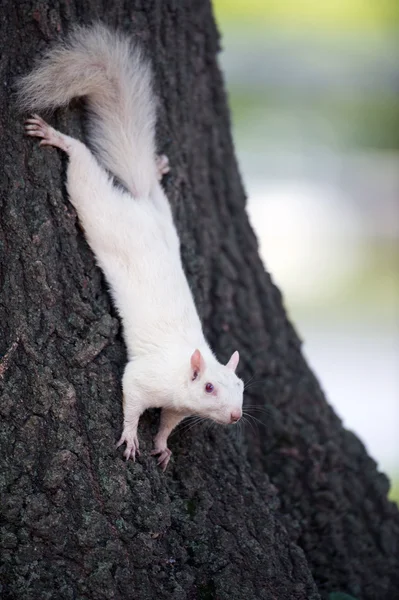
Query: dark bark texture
point(293, 510)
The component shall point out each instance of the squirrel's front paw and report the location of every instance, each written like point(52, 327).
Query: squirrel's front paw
point(131, 440)
point(163, 454)
point(162, 162)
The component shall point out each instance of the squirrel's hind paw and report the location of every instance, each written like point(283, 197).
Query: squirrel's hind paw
point(35, 126)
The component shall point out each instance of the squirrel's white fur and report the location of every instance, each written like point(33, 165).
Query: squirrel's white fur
point(131, 232)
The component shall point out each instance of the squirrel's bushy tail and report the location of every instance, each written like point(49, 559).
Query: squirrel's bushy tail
point(112, 73)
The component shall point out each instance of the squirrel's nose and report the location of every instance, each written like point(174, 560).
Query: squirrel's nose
point(235, 416)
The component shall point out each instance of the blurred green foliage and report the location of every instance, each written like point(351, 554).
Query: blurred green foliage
point(329, 36)
point(329, 14)
point(347, 116)
point(371, 293)
point(394, 491)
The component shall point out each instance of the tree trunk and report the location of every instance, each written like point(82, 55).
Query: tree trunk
point(295, 509)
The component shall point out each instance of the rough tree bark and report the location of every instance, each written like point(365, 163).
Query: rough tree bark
point(295, 511)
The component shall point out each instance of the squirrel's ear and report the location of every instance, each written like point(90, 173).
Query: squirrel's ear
point(197, 364)
point(233, 362)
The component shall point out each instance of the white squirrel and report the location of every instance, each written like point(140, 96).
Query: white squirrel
point(132, 234)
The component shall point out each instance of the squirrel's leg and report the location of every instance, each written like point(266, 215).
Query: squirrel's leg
point(90, 188)
point(35, 126)
point(132, 410)
point(134, 404)
point(169, 420)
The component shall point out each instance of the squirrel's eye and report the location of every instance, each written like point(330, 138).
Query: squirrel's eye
point(209, 388)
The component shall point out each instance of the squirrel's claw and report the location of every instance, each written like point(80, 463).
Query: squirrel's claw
point(164, 455)
point(132, 445)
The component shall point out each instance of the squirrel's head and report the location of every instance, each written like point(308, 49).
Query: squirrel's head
point(215, 391)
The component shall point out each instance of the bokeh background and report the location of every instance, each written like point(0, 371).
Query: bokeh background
point(314, 93)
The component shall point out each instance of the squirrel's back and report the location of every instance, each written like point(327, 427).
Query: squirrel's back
point(109, 70)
